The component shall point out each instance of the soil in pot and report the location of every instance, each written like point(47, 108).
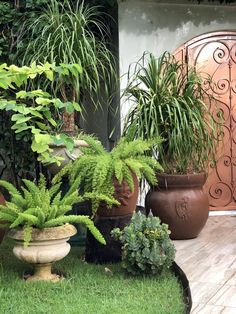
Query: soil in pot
point(180, 202)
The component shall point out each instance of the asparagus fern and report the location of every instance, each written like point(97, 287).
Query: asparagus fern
point(97, 168)
point(36, 206)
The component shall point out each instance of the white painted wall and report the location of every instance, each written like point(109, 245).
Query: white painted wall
point(157, 26)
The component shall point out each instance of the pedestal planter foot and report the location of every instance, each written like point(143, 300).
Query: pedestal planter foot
point(44, 272)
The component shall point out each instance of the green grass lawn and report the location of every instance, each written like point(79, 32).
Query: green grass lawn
point(87, 289)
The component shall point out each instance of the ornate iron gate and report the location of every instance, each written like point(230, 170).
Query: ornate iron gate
point(214, 55)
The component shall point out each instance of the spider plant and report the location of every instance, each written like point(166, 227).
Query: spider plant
point(169, 102)
point(71, 32)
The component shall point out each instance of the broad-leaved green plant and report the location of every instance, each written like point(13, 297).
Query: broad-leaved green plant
point(36, 111)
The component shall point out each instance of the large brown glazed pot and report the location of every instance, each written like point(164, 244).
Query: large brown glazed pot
point(179, 201)
point(126, 198)
point(2, 231)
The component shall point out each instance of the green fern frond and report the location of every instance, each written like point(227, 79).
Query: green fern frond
point(128, 178)
point(46, 199)
point(53, 212)
point(28, 198)
point(41, 216)
point(149, 174)
point(134, 165)
point(33, 220)
point(100, 172)
point(81, 166)
point(118, 165)
point(18, 221)
point(62, 210)
point(101, 198)
point(19, 202)
point(64, 171)
point(21, 218)
point(57, 199)
point(2, 207)
point(77, 219)
point(9, 187)
point(7, 216)
point(54, 189)
point(12, 207)
point(34, 190)
point(42, 182)
point(74, 186)
point(71, 199)
point(95, 147)
point(27, 229)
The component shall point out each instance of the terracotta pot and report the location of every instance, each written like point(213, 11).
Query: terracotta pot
point(61, 151)
point(125, 196)
point(179, 201)
point(2, 231)
point(46, 247)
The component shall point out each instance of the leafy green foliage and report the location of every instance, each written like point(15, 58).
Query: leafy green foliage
point(169, 102)
point(70, 32)
point(17, 20)
point(36, 112)
point(36, 206)
point(97, 168)
point(147, 247)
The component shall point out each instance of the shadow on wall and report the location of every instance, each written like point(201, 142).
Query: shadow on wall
point(135, 16)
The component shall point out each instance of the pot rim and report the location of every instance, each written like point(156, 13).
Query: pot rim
point(77, 144)
point(181, 180)
point(52, 233)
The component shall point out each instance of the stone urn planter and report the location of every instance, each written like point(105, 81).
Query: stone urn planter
point(62, 151)
point(180, 202)
point(46, 247)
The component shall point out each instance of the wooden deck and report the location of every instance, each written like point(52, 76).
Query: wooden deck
point(209, 262)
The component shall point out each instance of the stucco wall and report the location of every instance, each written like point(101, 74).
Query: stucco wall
point(157, 26)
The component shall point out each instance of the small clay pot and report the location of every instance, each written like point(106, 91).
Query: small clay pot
point(2, 231)
point(125, 197)
point(180, 202)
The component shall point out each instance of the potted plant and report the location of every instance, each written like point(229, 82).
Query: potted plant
point(169, 101)
point(114, 174)
point(36, 217)
point(146, 245)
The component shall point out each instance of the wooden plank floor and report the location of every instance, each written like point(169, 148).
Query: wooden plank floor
point(209, 262)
